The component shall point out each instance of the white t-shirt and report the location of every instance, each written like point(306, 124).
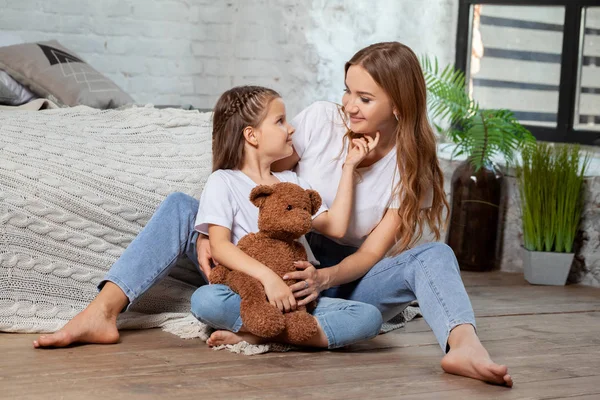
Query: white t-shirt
point(318, 140)
point(225, 201)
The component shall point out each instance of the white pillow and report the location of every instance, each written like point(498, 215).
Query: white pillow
point(12, 93)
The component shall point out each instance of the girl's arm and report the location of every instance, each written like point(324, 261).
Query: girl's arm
point(229, 255)
point(334, 223)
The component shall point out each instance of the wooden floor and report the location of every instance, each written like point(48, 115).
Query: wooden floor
point(548, 336)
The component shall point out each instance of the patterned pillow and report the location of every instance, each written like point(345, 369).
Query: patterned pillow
point(50, 70)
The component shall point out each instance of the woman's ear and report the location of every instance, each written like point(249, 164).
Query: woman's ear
point(250, 135)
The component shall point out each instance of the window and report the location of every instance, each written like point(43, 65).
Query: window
point(587, 105)
point(539, 59)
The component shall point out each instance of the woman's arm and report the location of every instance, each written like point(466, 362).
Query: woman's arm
point(229, 255)
point(204, 255)
point(334, 223)
point(375, 247)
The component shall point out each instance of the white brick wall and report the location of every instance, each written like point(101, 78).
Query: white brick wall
point(189, 51)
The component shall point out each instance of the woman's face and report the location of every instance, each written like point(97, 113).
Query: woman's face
point(367, 105)
point(274, 134)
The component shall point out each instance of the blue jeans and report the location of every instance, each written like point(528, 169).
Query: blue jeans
point(428, 273)
point(343, 321)
point(170, 234)
point(167, 236)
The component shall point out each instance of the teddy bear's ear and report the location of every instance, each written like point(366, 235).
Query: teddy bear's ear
point(315, 201)
point(259, 194)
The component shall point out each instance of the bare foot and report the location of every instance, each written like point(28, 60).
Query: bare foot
point(467, 357)
point(226, 337)
point(92, 325)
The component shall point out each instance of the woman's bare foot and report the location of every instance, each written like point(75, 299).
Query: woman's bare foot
point(226, 337)
point(467, 357)
point(96, 324)
point(89, 326)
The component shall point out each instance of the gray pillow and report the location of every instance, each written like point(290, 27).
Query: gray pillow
point(12, 93)
point(50, 70)
point(6, 95)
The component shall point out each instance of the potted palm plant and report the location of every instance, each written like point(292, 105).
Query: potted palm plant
point(478, 190)
point(550, 181)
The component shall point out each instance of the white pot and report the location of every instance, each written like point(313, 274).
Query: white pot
point(546, 268)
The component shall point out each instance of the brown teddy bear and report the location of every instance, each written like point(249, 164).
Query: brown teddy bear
point(285, 214)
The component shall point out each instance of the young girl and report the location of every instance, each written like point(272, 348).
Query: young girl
point(250, 132)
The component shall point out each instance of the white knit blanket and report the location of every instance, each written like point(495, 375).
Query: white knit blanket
point(76, 186)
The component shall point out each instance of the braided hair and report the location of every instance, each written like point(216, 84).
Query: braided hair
point(236, 109)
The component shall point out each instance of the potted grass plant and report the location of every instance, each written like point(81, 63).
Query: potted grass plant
point(477, 188)
point(550, 180)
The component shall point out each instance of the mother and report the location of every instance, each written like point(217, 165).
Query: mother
point(401, 189)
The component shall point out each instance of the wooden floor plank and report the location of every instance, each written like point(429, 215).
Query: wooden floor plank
point(552, 389)
point(385, 364)
point(548, 336)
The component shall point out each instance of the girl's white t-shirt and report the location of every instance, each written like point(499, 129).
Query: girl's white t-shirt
point(319, 141)
point(225, 201)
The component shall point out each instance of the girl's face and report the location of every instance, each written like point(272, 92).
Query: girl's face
point(368, 107)
point(274, 134)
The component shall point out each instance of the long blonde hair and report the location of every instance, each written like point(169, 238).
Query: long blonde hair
point(396, 69)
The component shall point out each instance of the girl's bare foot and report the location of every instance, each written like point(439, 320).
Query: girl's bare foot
point(96, 324)
point(467, 357)
point(226, 337)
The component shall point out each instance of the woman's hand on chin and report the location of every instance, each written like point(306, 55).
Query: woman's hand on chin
point(360, 149)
